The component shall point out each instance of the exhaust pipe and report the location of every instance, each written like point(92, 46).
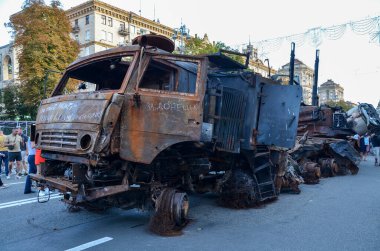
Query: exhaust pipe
point(315, 99)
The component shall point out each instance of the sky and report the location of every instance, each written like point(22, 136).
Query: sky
point(352, 61)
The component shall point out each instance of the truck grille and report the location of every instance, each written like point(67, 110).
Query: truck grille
point(229, 126)
point(59, 139)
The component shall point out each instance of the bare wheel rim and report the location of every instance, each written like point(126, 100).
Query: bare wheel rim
point(180, 208)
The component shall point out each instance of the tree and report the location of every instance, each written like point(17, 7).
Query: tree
point(199, 46)
point(10, 101)
point(345, 105)
point(42, 35)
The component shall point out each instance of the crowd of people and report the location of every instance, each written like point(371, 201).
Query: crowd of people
point(17, 157)
point(368, 143)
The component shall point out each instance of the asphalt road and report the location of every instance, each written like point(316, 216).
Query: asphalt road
point(340, 213)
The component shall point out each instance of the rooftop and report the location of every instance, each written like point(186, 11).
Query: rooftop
point(330, 83)
point(297, 62)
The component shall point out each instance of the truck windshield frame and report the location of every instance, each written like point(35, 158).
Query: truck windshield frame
point(174, 67)
point(101, 75)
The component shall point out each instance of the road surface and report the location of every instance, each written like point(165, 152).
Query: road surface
point(340, 213)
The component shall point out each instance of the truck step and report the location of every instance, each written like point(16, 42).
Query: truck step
point(265, 183)
point(261, 167)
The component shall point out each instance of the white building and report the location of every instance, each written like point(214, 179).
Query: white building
point(304, 74)
point(98, 26)
point(8, 65)
point(330, 91)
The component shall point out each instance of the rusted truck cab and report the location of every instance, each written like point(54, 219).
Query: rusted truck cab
point(137, 126)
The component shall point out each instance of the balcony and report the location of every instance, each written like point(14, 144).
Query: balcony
point(123, 32)
point(75, 29)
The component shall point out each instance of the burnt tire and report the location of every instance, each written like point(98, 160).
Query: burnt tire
point(238, 190)
point(171, 213)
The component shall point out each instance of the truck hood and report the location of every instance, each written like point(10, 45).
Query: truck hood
point(85, 108)
point(71, 123)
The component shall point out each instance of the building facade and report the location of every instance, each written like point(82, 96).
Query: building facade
point(330, 91)
point(8, 65)
point(99, 26)
point(302, 74)
point(96, 26)
point(256, 64)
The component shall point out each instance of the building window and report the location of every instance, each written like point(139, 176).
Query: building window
point(9, 66)
point(87, 19)
point(110, 21)
point(103, 36)
point(103, 19)
point(133, 29)
point(122, 26)
point(87, 35)
point(110, 37)
point(76, 22)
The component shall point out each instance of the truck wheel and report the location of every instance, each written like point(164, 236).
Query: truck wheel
point(238, 190)
point(180, 208)
point(171, 211)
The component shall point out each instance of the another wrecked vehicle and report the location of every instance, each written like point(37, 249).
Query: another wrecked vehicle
point(323, 148)
point(137, 126)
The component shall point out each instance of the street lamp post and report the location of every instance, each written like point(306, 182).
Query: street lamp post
point(181, 33)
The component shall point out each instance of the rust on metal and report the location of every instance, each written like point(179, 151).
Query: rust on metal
point(311, 172)
point(137, 126)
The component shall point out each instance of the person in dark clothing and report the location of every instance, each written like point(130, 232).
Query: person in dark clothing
point(375, 139)
point(363, 147)
point(2, 184)
point(32, 166)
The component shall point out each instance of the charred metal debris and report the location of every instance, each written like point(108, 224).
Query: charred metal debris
point(147, 126)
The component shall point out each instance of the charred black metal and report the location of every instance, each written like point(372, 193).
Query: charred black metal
point(314, 98)
point(291, 64)
point(152, 125)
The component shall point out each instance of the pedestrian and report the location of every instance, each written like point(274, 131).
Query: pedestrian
point(364, 146)
point(32, 166)
point(356, 141)
point(24, 151)
point(3, 153)
point(13, 142)
point(375, 139)
point(2, 185)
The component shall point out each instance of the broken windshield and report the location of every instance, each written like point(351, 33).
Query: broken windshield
point(102, 75)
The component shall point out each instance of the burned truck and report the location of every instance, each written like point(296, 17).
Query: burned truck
point(137, 126)
point(323, 133)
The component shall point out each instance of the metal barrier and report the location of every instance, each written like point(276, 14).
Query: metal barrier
point(7, 126)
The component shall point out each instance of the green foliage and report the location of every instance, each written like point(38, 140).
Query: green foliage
point(42, 35)
point(345, 105)
point(13, 105)
point(200, 46)
point(10, 102)
point(28, 3)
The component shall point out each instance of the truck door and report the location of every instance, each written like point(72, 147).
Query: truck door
point(166, 108)
point(278, 115)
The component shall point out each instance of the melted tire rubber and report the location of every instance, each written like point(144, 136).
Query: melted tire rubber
point(238, 191)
